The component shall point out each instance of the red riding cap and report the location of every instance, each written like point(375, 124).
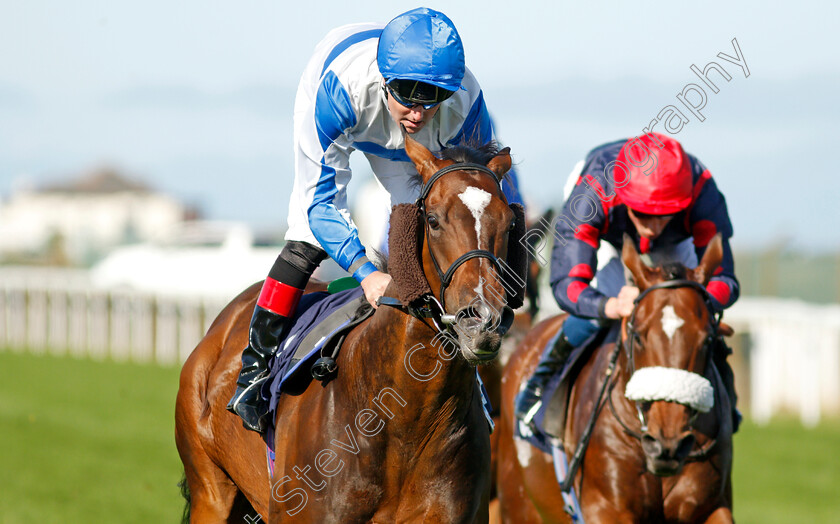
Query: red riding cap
point(660, 177)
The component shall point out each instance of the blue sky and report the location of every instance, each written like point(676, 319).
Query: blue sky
point(196, 97)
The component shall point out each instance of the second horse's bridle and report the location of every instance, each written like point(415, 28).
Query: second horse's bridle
point(633, 337)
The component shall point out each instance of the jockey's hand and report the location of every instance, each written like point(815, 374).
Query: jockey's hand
point(374, 286)
point(622, 305)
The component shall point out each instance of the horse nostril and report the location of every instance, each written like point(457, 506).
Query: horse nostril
point(651, 446)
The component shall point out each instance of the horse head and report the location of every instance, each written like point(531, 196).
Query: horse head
point(467, 228)
point(668, 341)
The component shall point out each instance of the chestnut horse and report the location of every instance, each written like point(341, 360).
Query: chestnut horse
point(399, 434)
point(666, 455)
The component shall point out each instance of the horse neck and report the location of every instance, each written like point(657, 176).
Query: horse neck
point(400, 352)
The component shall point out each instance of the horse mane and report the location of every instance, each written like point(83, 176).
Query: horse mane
point(380, 260)
point(472, 152)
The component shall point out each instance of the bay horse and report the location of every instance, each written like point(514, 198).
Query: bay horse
point(399, 434)
point(660, 457)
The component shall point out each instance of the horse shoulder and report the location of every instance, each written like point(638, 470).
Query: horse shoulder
point(527, 353)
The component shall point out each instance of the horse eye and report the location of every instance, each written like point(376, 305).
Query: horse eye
point(432, 221)
point(512, 226)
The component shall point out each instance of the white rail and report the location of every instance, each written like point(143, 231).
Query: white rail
point(794, 357)
point(789, 363)
point(57, 311)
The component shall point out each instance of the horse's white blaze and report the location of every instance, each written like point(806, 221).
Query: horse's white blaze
point(476, 201)
point(671, 385)
point(671, 322)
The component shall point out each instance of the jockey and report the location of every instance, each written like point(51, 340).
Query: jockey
point(364, 82)
point(666, 200)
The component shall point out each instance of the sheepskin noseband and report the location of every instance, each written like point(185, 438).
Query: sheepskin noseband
point(671, 385)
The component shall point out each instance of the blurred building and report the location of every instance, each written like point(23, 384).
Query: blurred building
point(81, 219)
point(209, 259)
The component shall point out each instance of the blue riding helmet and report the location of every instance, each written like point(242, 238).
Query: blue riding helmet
point(423, 45)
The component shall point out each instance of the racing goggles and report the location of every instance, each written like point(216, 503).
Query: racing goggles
point(413, 93)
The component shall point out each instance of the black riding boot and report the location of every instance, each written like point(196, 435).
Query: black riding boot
point(276, 303)
point(552, 360)
point(264, 336)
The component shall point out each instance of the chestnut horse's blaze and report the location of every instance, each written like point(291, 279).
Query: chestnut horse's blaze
point(661, 448)
point(380, 442)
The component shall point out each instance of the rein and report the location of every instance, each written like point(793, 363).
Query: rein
point(580, 450)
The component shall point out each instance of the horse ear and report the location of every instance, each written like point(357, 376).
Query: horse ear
point(711, 260)
point(641, 273)
point(500, 164)
point(425, 162)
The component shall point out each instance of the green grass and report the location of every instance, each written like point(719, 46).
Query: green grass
point(92, 442)
point(786, 474)
point(87, 442)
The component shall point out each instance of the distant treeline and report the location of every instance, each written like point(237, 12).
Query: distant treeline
point(787, 274)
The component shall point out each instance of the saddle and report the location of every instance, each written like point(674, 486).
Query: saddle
point(317, 329)
point(550, 419)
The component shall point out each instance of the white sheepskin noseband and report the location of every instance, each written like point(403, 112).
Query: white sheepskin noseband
point(671, 385)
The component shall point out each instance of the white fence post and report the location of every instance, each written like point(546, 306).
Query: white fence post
point(99, 325)
point(77, 336)
point(58, 321)
point(4, 318)
point(16, 304)
point(36, 321)
point(166, 333)
point(189, 328)
point(120, 340)
point(142, 328)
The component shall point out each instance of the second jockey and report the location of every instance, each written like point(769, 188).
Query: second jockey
point(669, 204)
